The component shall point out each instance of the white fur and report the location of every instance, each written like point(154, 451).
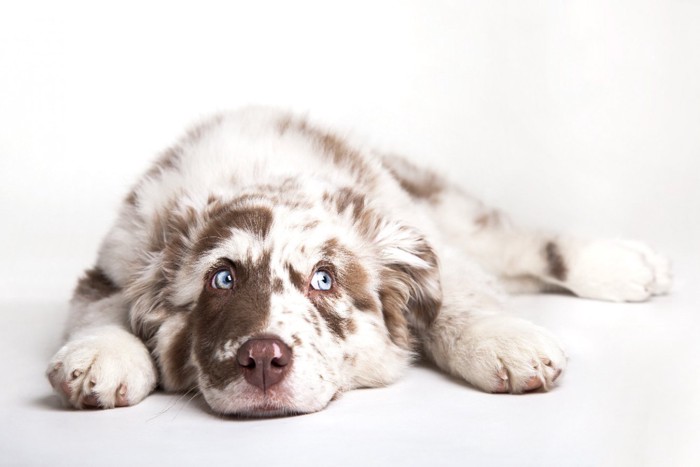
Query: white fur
point(478, 250)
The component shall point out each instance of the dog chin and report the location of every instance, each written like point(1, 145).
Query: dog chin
point(256, 404)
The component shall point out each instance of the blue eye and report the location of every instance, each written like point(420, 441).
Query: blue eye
point(222, 279)
point(322, 280)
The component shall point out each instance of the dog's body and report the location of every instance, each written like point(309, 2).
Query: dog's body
point(271, 265)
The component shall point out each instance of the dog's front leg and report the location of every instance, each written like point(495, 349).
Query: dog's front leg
point(102, 364)
point(472, 339)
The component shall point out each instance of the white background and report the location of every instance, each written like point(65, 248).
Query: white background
point(581, 116)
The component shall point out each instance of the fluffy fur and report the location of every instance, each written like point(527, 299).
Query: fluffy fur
point(269, 200)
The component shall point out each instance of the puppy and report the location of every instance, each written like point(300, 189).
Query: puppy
point(271, 265)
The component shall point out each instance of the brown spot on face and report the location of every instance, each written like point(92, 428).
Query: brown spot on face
point(298, 279)
point(175, 363)
point(352, 276)
point(326, 308)
point(314, 320)
point(95, 285)
point(297, 340)
point(223, 315)
point(556, 267)
point(277, 285)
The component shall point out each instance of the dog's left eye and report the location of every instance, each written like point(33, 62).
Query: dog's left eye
point(222, 279)
point(322, 280)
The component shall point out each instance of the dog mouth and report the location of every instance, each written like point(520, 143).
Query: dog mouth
point(265, 410)
point(249, 402)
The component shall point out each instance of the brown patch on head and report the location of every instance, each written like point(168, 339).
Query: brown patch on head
point(255, 220)
point(556, 266)
point(223, 315)
point(346, 198)
point(419, 183)
point(340, 151)
point(94, 286)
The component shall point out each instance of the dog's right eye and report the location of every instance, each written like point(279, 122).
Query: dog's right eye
point(222, 279)
point(322, 280)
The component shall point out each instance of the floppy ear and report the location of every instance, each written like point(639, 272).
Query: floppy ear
point(409, 290)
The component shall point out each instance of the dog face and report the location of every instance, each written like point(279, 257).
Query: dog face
point(273, 304)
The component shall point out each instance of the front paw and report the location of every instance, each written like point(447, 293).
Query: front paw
point(619, 270)
point(106, 369)
point(504, 354)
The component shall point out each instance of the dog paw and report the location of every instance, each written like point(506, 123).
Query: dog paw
point(503, 354)
point(619, 271)
point(102, 370)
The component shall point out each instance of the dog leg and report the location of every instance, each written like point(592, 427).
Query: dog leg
point(495, 352)
point(102, 364)
point(527, 261)
point(614, 270)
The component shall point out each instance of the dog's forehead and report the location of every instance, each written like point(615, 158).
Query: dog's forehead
point(279, 233)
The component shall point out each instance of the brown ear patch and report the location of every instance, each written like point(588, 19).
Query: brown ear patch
point(410, 295)
point(95, 285)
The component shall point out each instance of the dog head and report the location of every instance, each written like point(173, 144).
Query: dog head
point(274, 302)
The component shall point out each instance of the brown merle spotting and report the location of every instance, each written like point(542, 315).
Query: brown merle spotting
point(556, 266)
point(342, 153)
point(95, 285)
point(256, 220)
point(175, 362)
point(408, 295)
point(227, 315)
point(420, 184)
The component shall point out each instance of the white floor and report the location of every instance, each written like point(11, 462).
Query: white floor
point(631, 397)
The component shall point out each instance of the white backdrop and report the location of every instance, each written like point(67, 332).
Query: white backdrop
point(578, 115)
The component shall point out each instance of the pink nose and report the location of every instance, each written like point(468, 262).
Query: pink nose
point(264, 361)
